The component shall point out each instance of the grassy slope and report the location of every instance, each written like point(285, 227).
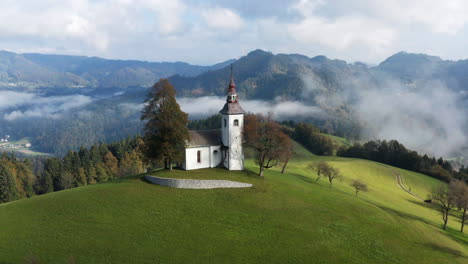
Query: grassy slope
point(339, 141)
point(284, 218)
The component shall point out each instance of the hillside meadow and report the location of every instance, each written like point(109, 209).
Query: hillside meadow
point(284, 218)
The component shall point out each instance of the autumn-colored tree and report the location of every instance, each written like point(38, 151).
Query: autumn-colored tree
point(165, 130)
point(131, 164)
point(264, 136)
point(111, 163)
point(359, 186)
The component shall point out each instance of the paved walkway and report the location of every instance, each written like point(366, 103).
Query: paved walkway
point(196, 184)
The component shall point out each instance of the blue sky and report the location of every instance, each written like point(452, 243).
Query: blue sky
point(207, 32)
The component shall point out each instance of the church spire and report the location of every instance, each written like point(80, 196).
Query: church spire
point(232, 94)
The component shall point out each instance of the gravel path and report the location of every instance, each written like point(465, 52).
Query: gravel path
point(401, 184)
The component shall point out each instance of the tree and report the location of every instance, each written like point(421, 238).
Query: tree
point(165, 131)
point(7, 185)
point(359, 186)
point(332, 173)
point(311, 138)
point(286, 152)
point(460, 190)
point(111, 163)
point(319, 168)
point(265, 137)
point(445, 200)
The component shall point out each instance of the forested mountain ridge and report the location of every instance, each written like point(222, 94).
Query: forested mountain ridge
point(263, 75)
point(33, 70)
point(350, 97)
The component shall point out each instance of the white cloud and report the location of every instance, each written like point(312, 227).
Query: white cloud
point(343, 33)
point(212, 31)
point(438, 16)
point(222, 18)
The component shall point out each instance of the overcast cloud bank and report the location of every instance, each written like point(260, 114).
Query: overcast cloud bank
point(368, 30)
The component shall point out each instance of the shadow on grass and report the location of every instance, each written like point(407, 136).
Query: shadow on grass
point(404, 215)
point(458, 236)
point(453, 213)
point(304, 178)
point(445, 249)
point(423, 204)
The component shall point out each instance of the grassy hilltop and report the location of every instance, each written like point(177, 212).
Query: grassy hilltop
point(284, 218)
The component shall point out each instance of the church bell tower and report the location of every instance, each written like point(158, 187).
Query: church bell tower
point(232, 124)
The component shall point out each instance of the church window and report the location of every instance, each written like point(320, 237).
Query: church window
point(225, 122)
point(215, 153)
point(236, 122)
point(199, 156)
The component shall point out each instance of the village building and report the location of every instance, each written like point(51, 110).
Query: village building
point(219, 147)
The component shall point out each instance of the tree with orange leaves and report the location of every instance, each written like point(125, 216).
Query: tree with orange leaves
point(264, 136)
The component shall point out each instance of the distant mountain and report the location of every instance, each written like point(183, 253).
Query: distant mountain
point(63, 71)
point(354, 100)
point(262, 75)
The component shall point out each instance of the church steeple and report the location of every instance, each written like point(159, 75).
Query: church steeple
point(232, 107)
point(232, 94)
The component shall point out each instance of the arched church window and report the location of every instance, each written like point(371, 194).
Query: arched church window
point(215, 153)
point(225, 123)
point(199, 156)
point(236, 122)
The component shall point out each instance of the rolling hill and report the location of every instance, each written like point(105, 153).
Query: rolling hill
point(32, 71)
point(283, 218)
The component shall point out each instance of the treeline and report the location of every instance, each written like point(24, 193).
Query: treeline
point(16, 178)
point(22, 178)
point(395, 154)
point(211, 122)
point(310, 137)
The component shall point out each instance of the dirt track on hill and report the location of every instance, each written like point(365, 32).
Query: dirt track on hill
point(401, 184)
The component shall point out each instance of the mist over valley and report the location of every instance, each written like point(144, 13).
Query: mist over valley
point(417, 99)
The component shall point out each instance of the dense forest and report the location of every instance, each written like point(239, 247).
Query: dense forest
point(22, 178)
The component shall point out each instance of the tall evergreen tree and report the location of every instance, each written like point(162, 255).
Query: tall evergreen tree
point(7, 185)
point(165, 131)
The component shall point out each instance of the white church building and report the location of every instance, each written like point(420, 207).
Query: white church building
point(219, 147)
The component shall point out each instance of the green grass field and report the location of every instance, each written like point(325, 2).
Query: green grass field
point(284, 218)
point(339, 141)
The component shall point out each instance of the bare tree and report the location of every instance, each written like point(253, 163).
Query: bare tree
point(460, 191)
point(286, 153)
point(319, 167)
point(443, 196)
point(264, 136)
point(359, 186)
point(332, 173)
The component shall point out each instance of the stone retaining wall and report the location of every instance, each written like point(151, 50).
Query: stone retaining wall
point(196, 184)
